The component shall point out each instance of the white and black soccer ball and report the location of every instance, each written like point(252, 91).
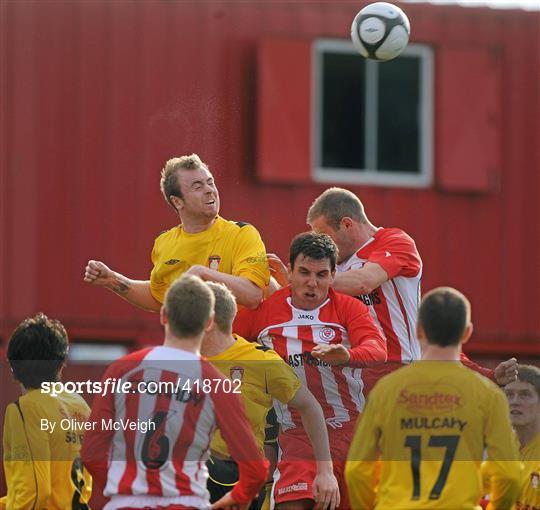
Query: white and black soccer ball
point(380, 31)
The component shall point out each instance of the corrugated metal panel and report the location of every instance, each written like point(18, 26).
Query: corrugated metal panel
point(97, 95)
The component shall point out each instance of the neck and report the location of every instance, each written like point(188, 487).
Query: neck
point(192, 344)
point(362, 234)
point(436, 353)
point(196, 225)
point(526, 433)
point(215, 342)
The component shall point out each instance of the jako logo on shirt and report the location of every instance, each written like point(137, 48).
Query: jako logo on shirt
point(306, 316)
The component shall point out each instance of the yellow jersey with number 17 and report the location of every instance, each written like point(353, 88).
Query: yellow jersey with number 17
point(421, 439)
point(41, 453)
point(230, 247)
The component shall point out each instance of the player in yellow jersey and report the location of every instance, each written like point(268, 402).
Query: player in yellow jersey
point(204, 244)
point(41, 444)
point(421, 439)
point(524, 400)
point(262, 376)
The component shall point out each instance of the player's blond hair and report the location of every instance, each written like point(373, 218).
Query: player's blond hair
point(224, 308)
point(189, 304)
point(169, 184)
point(530, 374)
point(335, 204)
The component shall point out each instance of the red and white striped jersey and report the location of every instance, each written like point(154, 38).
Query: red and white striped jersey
point(393, 305)
point(165, 464)
point(293, 333)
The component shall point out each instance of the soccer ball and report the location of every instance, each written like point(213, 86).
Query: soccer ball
point(380, 31)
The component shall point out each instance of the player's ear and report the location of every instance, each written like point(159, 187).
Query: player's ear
point(421, 335)
point(163, 319)
point(289, 271)
point(177, 202)
point(210, 324)
point(467, 333)
point(346, 222)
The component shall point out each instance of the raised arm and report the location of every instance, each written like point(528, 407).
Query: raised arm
point(135, 292)
point(245, 291)
point(360, 281)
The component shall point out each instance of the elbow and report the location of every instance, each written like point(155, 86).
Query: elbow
point(253, 300)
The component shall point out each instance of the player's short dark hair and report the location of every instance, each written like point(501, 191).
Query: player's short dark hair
point(37, 350)
point(530, 374)
point(444, 314)
point(189, 304)
point(335, 204)
point(169, 184)
point(315, 246)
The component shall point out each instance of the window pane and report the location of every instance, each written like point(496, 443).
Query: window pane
point(399, 110)
point(343, 111)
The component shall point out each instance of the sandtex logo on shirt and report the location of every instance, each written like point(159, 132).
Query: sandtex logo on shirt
point(302, 486)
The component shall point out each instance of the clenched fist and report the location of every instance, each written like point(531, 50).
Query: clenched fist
point(97, 273)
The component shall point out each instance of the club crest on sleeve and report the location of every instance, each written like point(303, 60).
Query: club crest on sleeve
point(213, 262)
point(236, 373)
point(535, 480)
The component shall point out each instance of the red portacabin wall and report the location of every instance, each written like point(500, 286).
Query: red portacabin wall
point(96, 96)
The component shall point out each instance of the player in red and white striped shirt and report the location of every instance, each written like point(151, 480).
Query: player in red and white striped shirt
point(165, 466)
point(382, 267)
point(326, 337)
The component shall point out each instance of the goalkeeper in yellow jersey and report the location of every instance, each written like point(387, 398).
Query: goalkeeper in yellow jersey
point(41, 444)
point(421, 439)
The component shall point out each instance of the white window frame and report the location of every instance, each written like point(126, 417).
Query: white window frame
point(372, 175)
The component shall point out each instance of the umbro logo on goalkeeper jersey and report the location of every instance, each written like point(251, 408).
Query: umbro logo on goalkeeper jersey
point(171, 262)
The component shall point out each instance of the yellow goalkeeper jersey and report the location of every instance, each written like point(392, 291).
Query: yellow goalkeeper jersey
point(262, 376)
point(421, 440)
point(42, 465)
point(230, 247)
point(529, 498)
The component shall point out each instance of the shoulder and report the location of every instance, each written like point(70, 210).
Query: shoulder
point(234, 224)
point(240, 229)
point(127, 362)
point(277, 300)
point(393, 235)
point(136, 355)
point(165, 235)
point(345, 302)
